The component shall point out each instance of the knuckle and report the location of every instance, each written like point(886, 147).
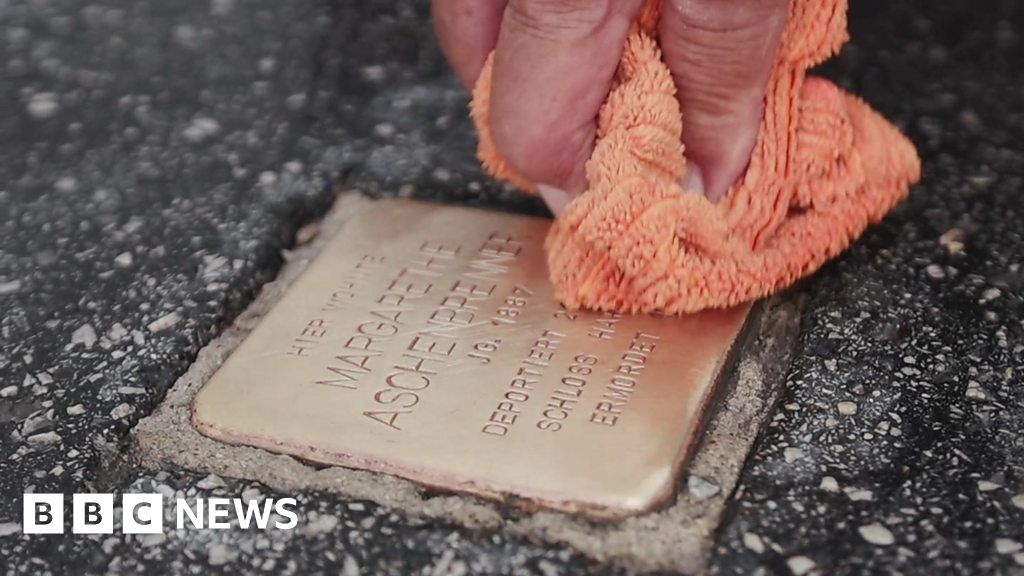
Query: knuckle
point(706, 45)
point(551, 18)
point(726, 16)
point(538, 155)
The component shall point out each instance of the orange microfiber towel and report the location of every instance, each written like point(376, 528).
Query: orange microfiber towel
point(824, 166)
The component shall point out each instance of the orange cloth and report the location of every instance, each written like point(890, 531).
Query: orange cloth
point(823, 168)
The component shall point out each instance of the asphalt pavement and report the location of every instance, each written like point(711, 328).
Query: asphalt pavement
point(157, 160)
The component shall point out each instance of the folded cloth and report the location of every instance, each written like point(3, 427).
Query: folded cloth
point(823, 168)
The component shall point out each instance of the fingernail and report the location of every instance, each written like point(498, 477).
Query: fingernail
point(556, 198)
point(693, 179)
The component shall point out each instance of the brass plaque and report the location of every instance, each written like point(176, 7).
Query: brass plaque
point(424, 341)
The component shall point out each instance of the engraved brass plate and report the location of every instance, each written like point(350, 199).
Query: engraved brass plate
point(424, 341)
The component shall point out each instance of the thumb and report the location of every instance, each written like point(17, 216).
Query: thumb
point(720, 53)
point(553, 67)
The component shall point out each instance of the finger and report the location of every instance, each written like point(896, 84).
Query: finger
point(721, 54)
point(553, 69)
point(467, 31)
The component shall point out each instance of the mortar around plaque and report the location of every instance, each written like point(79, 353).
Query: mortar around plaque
point(424, 341)
point(677, 536)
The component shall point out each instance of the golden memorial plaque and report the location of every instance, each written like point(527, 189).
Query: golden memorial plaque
point(424, 341)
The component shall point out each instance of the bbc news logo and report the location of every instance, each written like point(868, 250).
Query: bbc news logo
point(144, 513)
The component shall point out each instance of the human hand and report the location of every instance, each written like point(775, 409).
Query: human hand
point(554, 65)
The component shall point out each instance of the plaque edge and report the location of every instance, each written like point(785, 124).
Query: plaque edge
point(165, 440)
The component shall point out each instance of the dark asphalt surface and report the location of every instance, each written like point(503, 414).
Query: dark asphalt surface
point(157, 157)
